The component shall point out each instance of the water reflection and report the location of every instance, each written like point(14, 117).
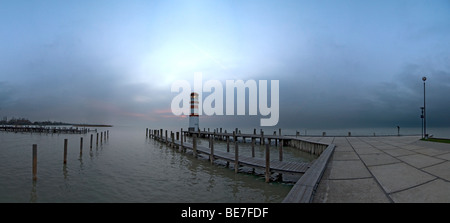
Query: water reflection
point(65, 172)
point(125, 168)
point(33, 194)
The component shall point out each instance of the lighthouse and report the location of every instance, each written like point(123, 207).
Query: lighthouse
point(193, 117)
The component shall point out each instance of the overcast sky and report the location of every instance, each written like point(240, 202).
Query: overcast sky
point(339, 63)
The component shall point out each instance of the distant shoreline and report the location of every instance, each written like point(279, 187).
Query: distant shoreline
point(91, 125)
point(25, 122)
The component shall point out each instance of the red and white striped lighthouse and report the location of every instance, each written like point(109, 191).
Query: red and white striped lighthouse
point(193, 117)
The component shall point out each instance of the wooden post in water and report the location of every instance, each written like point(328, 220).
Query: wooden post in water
point(172, 136)
point(181, 140)
point(228, 144)
point(96, 143)
point(211, 156)
point(91, 141)
point(81, 146)
point(267, 163)
point(104, 135)
point(209, 141)
point(107, 134)
point(194, 144)
point(236, 157)
point(65, 151)
point(253, 146)
point(166, 137)
point(101, 138)
point(274, 133)
point(146, 132)
point(34, 162)
point(281, 150)
point(178, 139)
point(262, 138)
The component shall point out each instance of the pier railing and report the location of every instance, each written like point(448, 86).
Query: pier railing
point(302, 191)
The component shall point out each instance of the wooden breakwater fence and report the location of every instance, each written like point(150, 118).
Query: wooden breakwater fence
point(302, 191)
point(47, 130)
point(104, 136)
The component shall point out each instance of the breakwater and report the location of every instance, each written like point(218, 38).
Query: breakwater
point(48, 130)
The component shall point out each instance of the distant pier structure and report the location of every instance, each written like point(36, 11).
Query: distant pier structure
point(43, 129)
point(193, 117)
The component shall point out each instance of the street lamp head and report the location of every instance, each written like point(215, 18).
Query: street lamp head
point(424, 78)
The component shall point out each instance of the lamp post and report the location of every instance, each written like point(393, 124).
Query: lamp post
point(421, 116)
point(424, 111)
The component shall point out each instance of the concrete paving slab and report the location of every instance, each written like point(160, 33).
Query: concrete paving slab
point(386, 147)
point(399, 152)
point(431, 151)
point(327, 140)
point(445, 156)
point(343, 149)
point(400, 169)
point(340, 140)
point(420, 160)
point(433, 145)
point(441, 170)
point(378, 159)
point(436, 191)
point(345, 155)
point(412, 147)
point(356, 141)
point(399, 176)
point(354, 191)
point(348, 169)
point(366, 150)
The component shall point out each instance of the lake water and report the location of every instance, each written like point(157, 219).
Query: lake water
point(128, 167)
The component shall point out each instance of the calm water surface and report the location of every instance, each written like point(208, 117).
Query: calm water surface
point(128, 167)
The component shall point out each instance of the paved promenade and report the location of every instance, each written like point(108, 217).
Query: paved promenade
point(385, 169)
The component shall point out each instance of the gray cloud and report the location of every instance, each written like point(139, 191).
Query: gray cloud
point(337, 65)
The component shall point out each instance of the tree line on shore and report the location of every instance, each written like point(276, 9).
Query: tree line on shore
point(25, 121)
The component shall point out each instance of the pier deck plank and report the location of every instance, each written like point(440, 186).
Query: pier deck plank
point(304, 189)
point(275, 165)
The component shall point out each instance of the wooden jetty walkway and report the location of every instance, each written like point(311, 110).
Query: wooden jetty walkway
point(312, 172)
point(49, 130)
point(275, 165)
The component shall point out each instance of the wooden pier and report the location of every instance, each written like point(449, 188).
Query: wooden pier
point(275, 165)
point(302, 191)
point(278, 166)
point(312, 147)
point(48, 130)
